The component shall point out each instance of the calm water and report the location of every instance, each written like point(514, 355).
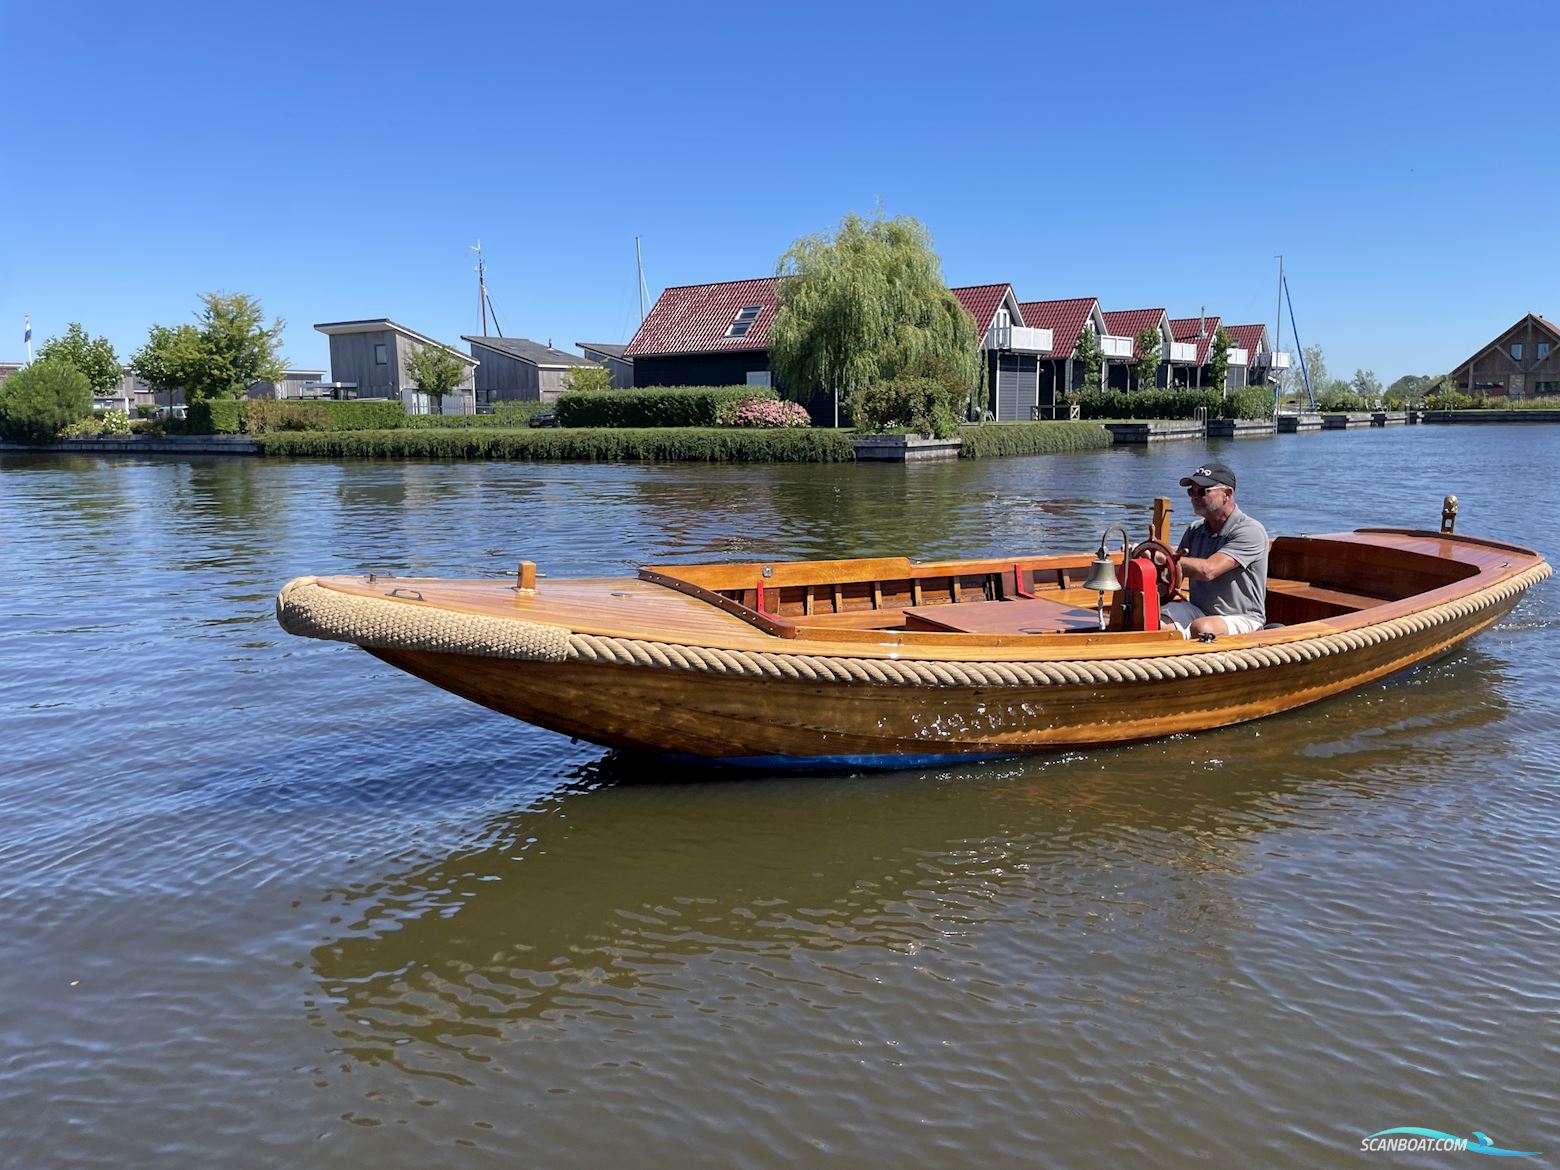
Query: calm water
point(268, 903)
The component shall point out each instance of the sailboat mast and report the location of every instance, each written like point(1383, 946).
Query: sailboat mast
point(639, 267)
point(1278, 332)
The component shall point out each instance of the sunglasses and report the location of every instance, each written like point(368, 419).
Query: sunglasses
point(1198, 493)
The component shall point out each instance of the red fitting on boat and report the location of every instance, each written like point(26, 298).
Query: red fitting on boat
point(1143, 584)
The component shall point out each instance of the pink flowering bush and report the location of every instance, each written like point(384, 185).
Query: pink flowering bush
point(759, 411)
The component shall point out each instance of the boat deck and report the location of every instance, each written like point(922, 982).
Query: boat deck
point(966, 610)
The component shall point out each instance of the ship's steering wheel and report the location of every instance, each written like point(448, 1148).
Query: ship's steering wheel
point(1166, 570)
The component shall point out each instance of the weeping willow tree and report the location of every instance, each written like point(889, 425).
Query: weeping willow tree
point(861, 306)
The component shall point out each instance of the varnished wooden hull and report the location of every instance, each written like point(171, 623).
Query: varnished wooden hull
point(781, 723)
point(701, 666)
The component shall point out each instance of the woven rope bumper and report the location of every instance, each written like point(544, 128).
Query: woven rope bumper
point(307, 608)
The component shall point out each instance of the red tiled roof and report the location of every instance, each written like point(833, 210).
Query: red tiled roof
point(694, 318)
point(1248, 338)
point(1065, 320)
point(1195, 329)
point(982, 301)
point(1131, 322)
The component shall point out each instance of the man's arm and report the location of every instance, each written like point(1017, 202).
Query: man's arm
point(1245, 547)
point(1207, 568)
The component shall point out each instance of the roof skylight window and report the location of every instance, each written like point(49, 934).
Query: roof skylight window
point(744, 321)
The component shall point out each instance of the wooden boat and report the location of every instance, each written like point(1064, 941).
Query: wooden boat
point(885, 662)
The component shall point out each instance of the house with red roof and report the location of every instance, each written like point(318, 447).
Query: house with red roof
point(1522, 362)
point(1201, 332)
point(1013, 349)
point(718, 335)
point(1263, 365)
point(1173, 354)
point(1061, 373)
point(706, 335)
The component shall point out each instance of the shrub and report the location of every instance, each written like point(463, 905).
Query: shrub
point(915, 403)
point(581, 378)
point(1340, 400)
point(147, 410)
point(41, 400)
point(1150, 404)
point(1455, 400)
point(364, 414)
point(215, 416)
point(96, 426)
point(1248, 402)
point(514, 415)
point(230, 416)
point(756, 411)
point(662, 406)
point(1042, 438)
point(264, 415)
point(659, 444)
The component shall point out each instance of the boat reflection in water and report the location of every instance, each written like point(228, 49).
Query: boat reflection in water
point(619, 900)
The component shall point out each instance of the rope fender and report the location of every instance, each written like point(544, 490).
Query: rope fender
point(308, 609)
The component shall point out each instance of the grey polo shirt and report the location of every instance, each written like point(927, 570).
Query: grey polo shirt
point(1241, 591)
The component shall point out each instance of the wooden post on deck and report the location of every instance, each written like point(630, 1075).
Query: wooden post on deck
point(525, 579)
point(1160, 529)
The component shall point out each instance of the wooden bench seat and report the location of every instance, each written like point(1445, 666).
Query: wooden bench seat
point(1293, 602)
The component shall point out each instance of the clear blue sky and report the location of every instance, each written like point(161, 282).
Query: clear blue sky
point(336, 160)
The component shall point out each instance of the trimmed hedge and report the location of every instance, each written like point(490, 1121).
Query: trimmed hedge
point(1249, 402)
point(229, 416)
point(1038, 438)
point(660, 406)
point(650, 445)
point(505, 414)
point(216, 416)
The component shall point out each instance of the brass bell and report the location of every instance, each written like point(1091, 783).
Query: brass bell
point(1102, 574)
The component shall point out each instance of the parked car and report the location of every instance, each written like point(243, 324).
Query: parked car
point(545, 419)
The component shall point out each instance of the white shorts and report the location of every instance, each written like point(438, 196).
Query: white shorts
point(1184, 613)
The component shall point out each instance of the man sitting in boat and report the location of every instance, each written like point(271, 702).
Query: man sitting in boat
point(1225, 557)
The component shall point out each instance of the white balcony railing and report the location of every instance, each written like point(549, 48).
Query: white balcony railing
point(1183, 351)
point(1273, 361)
point(1018, 339)
point(1239, 357)
point(1116, 347)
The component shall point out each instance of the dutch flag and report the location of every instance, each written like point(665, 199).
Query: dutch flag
point(26, 329)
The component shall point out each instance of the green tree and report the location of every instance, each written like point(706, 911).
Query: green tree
point(435, 371)
point(227, 351)
point(158, 362)
point(1409, 389)
point(1219, 360)
point(1323, 384)
point(1366, 387)
point(41, 400)
point(95, 358)
point(1146, 367)
point(587, 378)
point(1089, 355)
point(861, 306)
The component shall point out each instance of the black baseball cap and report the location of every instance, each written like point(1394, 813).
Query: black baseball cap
point(1210, 475)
